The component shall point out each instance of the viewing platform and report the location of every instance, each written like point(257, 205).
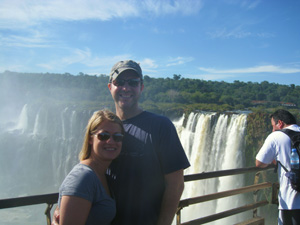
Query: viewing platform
point(51, 199)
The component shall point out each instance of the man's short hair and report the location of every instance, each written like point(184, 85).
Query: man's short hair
point(283, 115)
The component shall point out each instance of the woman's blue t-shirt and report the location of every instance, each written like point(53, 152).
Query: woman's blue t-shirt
point(84, 183)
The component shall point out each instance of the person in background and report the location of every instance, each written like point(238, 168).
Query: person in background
point(84, 195)
point(277, 147)
point(147, 179)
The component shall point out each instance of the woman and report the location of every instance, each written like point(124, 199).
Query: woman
point(84, 196)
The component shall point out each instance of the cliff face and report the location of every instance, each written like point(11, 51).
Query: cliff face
point(258, 128)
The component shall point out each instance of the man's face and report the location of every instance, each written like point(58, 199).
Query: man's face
point(126, 96)
point(276, 126)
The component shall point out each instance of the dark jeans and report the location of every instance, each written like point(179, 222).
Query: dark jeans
point(290, 217)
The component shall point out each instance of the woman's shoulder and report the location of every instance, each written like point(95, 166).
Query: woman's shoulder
point(82, 169)
point(80, 174)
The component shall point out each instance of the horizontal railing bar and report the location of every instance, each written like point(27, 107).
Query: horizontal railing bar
point(29, 200)
point(52, 198)
point(204, 198)
point(226, 213)
point(221, 173)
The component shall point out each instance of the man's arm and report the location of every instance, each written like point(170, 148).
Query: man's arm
point(174, 187)
point(263, 165)
point(260, 164)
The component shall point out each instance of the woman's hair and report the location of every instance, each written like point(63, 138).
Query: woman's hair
point(97, 118)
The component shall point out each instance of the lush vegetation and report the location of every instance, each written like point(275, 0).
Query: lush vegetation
point(169, 96)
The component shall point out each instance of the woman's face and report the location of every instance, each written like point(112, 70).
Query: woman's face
point(106, 150)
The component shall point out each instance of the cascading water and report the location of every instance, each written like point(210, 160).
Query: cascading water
point(37, 152)
point(40, 147)
point(22, 121)
point(213, 142)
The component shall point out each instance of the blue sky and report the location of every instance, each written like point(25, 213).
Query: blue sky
point(219, 40)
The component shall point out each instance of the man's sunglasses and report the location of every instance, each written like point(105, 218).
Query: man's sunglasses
point(118, 137)
point(134, 82)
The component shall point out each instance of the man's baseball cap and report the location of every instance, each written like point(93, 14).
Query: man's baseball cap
point(121, 66)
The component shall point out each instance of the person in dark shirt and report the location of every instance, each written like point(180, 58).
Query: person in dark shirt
point(147, 178)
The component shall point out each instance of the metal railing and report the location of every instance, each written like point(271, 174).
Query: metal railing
point(51, 199)
point(252, 188)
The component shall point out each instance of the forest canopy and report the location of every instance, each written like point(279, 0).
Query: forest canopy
point(160, 95)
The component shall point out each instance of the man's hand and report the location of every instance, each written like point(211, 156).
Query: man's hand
point(55, 218)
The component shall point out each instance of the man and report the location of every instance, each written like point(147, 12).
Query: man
point(277, 147)
point(147, 178)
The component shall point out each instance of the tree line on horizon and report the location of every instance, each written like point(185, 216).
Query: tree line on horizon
point(169, 96)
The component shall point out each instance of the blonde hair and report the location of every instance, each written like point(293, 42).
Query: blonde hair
point(97, 118)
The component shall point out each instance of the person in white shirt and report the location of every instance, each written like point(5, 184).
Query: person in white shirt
point(277, 147)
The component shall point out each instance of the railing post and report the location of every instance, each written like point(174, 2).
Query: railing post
point(48, 214)
point(256, 181)
point(275, 188)
point(178, 216)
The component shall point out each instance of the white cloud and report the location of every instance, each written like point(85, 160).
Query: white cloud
point(12, 67)
point(32, 12)
point(17, 14)
point(248, 4)
point(30, 39)
point(238, 32)
point(168, 31)
point(179, 61)
point(85, 57)
point(257, 69)
point(148, 65)
point(159, 7)
point(225, 33)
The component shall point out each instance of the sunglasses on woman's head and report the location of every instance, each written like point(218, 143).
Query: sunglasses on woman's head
point(134, 82)
point(104, 136)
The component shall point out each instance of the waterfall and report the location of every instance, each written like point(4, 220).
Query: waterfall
point(40, 147)
point(213, 142)
point(41, 123)
point(38, 150)
point(22, 120)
